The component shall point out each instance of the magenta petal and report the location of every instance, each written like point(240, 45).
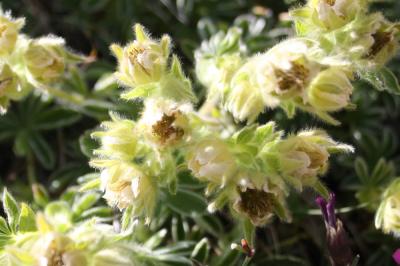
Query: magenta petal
point(396, 256)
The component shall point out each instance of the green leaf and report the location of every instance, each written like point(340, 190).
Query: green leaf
point(55, 118)
point(21, 144)
point(246, 134)
point(106, 84)
point(361, 169)
point(59, 215)
point(382, 79)
point(85, 202)
point(42, 150)
point(4, 229)
point(27, 221)
point(211, 224)
point(156, 239)
point(11, 209)
point(96, 212)
point(127, 219)
point(201, 251)
point(141, 91)
point(173, 260)
point(40, 195)
point(229, 257)
point(249, 231)
point(186, 202)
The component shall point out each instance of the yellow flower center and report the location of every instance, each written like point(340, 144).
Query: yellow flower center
point(133, 54)
point(55, 256)
point(164, 129)
point(294, 78)
point(330, 2)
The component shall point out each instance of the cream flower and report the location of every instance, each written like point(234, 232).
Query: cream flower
point(211, 160)
point(142, 61)
point(9, 30)
point(10, 88)
point(45, 59)
point(126, 186)
point(53, 249)
point(118, 140)
point(330, 90)
point(388, 214)
point(304, 156)
point(165, 122)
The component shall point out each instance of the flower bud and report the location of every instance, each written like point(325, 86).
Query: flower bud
point(165, 122)
point(9, 87)
point(211, 160)
point(45, 59)
point(9, 30)
point(244, 99)
point(340, 253)
point(305, 156)
point(118, 140)
point(142, 61)
point(283, 73)
point(388, 215)
point(330, 90)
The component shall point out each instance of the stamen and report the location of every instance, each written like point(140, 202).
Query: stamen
point(164, 128)
point(133, 54)
point(256, 203)
point(55, 258)
point(330, 2)
point(295, 77)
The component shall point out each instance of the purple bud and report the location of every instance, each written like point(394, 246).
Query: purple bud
point(331, 210)
point(322, 205)
point(396, 256)
point(337, 240)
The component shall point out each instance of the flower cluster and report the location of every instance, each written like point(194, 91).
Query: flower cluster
point(27, 63)
point(136, 158)
point(253, 169)
point(51, 237)
point(250, 169)
point(312, 71)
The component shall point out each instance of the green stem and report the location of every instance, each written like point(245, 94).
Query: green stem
point(246, 261)
point(340, 210)
point(64, 96)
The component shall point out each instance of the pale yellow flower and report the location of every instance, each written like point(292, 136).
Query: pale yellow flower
point(45, 59)
point(9, 30)
point(211, 160)
point(142, 61)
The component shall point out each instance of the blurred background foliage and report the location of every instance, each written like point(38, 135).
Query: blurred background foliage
point(41, 141)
